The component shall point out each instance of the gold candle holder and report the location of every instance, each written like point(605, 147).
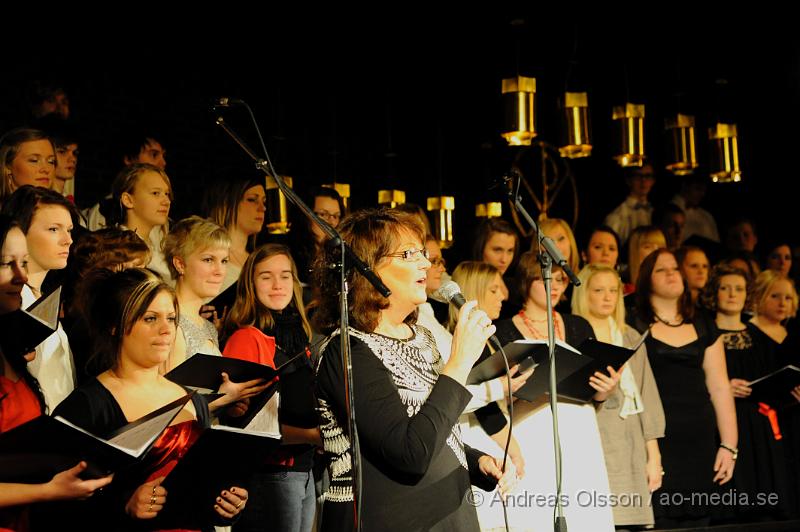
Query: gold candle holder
point(630, 122)
point(577, 142)
point(681, 145)
point(443, 206)
point(391, 198)
point(724, 154)
point(519, 101)
point(277, 207)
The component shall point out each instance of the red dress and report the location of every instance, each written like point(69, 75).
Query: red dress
point(170, 447)
point(18, 405)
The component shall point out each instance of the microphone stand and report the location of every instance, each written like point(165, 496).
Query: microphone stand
point(348, 259)
point(546, 258)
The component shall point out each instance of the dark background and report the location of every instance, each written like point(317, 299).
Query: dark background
point(411, 100)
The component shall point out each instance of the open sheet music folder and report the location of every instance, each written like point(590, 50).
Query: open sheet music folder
point(775, 388)
point(573, 366)
point(35, 451)
point(24, 329)
point(204, 373)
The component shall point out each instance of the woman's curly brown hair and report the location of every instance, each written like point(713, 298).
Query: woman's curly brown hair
point(371, 234)
point(709, 298)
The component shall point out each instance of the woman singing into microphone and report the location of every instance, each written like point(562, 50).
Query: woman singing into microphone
point(415, 470)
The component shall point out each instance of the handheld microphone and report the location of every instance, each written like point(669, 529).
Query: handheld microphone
point(451, 292)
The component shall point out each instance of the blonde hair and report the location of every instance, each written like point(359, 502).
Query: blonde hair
point(580, 295)
point(191, 234)
point(125, 182)
point(647, 234)
point(10, 144)
point(764, 283)
point(546, 226)
point(473, 278)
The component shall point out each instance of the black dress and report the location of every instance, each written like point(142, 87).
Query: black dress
point(761, 466)
point(416, 472)
point(689, 448)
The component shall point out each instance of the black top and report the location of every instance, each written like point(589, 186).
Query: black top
point(576, 330)
point(94, 408)
point(415, 469)
point(761, 466)
point(689, 447)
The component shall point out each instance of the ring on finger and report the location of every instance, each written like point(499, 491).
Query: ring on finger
point(239, 505)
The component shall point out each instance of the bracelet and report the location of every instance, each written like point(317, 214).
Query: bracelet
point(733, 450)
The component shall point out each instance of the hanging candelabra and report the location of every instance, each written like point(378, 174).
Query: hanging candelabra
point(724, 153)
point(629, 119)
point(519, 100)
point(442, 207)
point(681, 155)
point(577, 141)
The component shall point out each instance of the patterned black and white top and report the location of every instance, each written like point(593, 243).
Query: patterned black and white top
point(415, 469)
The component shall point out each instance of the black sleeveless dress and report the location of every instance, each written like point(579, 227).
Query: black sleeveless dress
point(690, 445)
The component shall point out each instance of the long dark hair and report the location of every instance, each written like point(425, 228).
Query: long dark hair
point(644, 289)
point(18, 363)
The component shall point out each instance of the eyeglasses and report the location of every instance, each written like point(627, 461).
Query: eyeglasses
point(410, 255)
point(330, 216)
point(438, 261)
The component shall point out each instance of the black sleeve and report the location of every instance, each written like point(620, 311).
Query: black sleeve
point(477, 478)
point(405, 444)
point(89, 408)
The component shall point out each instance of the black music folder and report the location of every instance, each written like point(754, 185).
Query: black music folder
point(203, 373)
point(573, 366)
point(224, 301)
point(35, 451)
point(775, 388)
point(221, 458)
point(24, 329)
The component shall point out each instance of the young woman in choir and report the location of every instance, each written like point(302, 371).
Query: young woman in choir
point(47, 218)
point(688, 361)
point(694, 267)
point(584, 467)
point(602, 247)
point(643, 241)
point(197, 254)
point(486, 392)
point(761, 466)
point(267, 324)
point(27, 157)
point(21, 400)
point(142, 194)
point(240, 207)
point(134, 315)
point(308, 238)
point(778, 257)
point(631, 419)
point(487, 428)
point(497, 243)
point(775, 302)
point(415, 469)
point(561, 233)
